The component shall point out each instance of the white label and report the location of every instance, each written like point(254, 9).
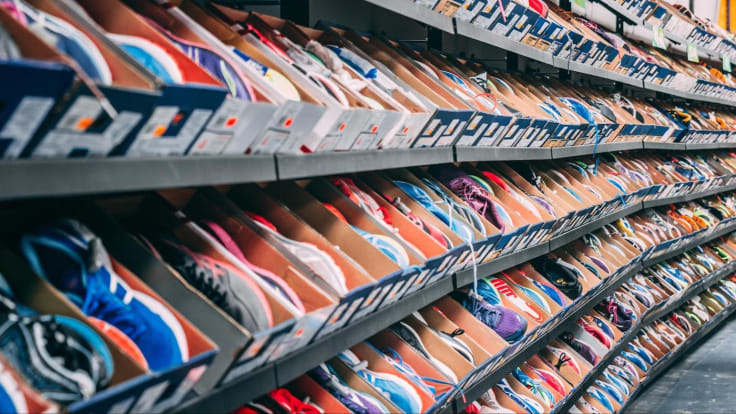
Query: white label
point(24, 122)
point(80, 114)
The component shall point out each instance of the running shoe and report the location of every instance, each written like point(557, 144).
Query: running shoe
point(75, 261)
point(60, 357)
point(411, 337)
point(507, 323)
point(231, 290)
point(395, 388)
point(354, 400)
point(562, 275)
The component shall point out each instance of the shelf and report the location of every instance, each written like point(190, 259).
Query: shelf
point(486, 36)
point(605, 74)
point(704, 146)
point(465, 277)
point(328, 163)
point(581, 150)
point(417, 12)
point(248, 387)
point(666, 146)
point(581, 307)
point(648, 318)
point(47, 178)
point(525, 352)
point(570, 236)
point(469, 154)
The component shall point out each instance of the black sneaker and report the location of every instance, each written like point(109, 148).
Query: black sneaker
point(60, 357)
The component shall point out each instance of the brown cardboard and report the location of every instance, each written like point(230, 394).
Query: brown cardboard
point(437, 320)
point(387, 339)
point(305, 387)
point(522, 390)
point(521, 278)
point(332, 228)
point(538, 362)
point(439, 349)
point(356, 216)
point(252, 198)
point(378, 364)
point(483, 335)
point(386, 187)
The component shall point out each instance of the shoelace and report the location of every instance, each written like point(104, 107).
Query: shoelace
point(288, 401)
point(109, 308)
point(467, 213)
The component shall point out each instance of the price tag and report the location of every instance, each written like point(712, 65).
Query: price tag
point(581, 3)
point(726, 63)
point(692, 52)
point(658, 38)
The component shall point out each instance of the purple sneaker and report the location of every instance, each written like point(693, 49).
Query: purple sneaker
point(472, 193)
point(356, 401)
point(507, 323)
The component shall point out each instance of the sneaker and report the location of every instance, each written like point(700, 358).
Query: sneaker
point(616, 382)
point(60, 357)
point(551, 379)
point(635, 359)
point(473, 194)
point(507, 323)
point(488, 399)
point(581, 348)
point(501, 288)
point(612, 391)
point(562, 275)
point(355, 401)
point(411, 337)
point(561, 358)
point(595, 332)
point(279, 285)
point(286, 401)
point(534, 387)
point(155, 58)
point(231, 290)
point(601, 398)
point(620, 316)
point(393, 358)
point(317, 260)
point(74, 260)
point(396, 389)
point(417, 193)
point(528, 404)
point(12, 399)
point(643, 353)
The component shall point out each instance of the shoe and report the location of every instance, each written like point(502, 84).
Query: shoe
point(612, 391)
point(461, 210)
point(635, 359)
point(155, 58)
point(473, 194)
point(121, 340)
point(562, 275)
point(531, 406)
point(616, 382)
point(12, 399)
point(286, 401)
point(60, 357)
point(461, 229)
point(551, 379)
point(411, 337)
point(562, 359)
point(279, 285)
point(488, 399)
point(388, 246)
point(581, 348)
point(317, 260)
point(507, 323)
point(74, 260)
point(643, 353)
point(355, 401)
point(595, 332)
point(601, 398)
point(231, 290)
point(451, 339)
point(534, 387)
point(396, 389)
point(393, 358)
point(501, 288)
point(620, 316)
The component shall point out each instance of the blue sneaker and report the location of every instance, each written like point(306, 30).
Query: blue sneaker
point(12, 399)
point(601, 398)
point(612, 391)
point(73, 259)
point(531, 406)
point(396, 389)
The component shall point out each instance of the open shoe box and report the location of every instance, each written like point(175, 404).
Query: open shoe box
point(391, 280)
point(135, 388)
point(241, 351)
